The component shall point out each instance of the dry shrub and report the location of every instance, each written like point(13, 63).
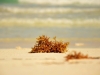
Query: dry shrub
point(76, 55)
point(44, 45)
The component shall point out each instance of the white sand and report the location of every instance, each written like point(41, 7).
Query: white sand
point(20, 62)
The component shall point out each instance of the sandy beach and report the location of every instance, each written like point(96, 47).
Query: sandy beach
point(20, 62)
point(74, 22)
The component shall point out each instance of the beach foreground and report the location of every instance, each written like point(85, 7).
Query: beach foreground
point(20, 62)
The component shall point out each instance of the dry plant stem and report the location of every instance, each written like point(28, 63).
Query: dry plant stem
point(93, 57)
point(44, 45)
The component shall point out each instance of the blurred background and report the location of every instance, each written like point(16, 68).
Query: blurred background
point(74, 21)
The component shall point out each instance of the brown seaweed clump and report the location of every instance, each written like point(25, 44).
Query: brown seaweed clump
point(76, 55)
point(44, 45)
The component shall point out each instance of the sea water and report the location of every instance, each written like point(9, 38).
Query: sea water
point(22, 23)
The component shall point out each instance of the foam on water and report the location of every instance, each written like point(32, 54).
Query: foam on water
point(60, 2)
point(75, 21)
point(49, 22)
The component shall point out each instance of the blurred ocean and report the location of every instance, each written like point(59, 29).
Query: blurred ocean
point(75, 21)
